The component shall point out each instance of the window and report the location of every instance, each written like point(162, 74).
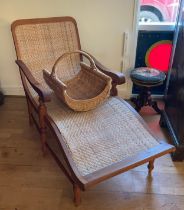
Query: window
point(157, 11)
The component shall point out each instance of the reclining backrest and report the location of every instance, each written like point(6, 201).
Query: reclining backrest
point(39, 42)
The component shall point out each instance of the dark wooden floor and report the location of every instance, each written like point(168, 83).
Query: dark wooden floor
point(29, 181)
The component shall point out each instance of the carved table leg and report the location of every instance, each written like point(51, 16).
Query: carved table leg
point(156, 108)
point(150, 166)
point(77, 194)
point(162, 122)
point(137, 103)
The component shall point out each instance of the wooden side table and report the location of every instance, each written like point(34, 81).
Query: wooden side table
point(146, 78)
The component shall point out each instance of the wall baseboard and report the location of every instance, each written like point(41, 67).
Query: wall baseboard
point(153, 96)
point(19, 91)
point(14, 91)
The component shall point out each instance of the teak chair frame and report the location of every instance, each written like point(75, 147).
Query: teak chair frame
point(70, 170)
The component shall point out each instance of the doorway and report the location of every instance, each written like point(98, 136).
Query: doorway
point(156, 27)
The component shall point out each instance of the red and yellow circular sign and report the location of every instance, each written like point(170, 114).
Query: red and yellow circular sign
point(158, 55)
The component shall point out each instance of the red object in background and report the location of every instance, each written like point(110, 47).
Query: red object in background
point(158, 55)
point(158, 10)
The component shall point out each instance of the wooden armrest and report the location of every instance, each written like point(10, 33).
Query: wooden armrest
point(44, 95)
point(118, 78)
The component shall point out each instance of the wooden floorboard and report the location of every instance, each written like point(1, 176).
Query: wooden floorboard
point(29, 181)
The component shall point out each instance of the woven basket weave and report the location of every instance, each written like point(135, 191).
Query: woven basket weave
point(83, 92)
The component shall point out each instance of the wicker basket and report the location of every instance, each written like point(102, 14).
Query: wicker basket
point(84, 91)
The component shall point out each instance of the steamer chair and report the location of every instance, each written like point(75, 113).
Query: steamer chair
point(91, 146)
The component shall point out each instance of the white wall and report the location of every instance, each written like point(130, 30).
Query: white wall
point(101, 25)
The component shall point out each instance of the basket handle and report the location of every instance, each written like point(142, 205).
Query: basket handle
point(92, 63)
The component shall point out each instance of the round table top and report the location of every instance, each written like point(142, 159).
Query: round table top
point(145, 75)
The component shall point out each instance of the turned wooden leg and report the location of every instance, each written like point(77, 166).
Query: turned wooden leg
point(43, 140)
point(150, 166)
point(30, 112)
point(162, 122)
point(156, 108)
point(42, 112)
point(77, 194)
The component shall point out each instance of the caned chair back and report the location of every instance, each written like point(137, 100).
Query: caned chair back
point(39, 42)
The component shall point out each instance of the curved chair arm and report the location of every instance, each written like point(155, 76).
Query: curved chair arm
point(118, 78)
point(44, 95)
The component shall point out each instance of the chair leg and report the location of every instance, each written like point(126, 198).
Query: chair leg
point(151, 166)
point(137, 104)
point(77, 194)
point(156, 108)
point(43, 140)
point(154, 105)
point(162, 122)
point(42, 112)
point(30, 112)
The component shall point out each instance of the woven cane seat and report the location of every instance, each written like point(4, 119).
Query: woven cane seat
point(100, 137)
point(147, 76)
